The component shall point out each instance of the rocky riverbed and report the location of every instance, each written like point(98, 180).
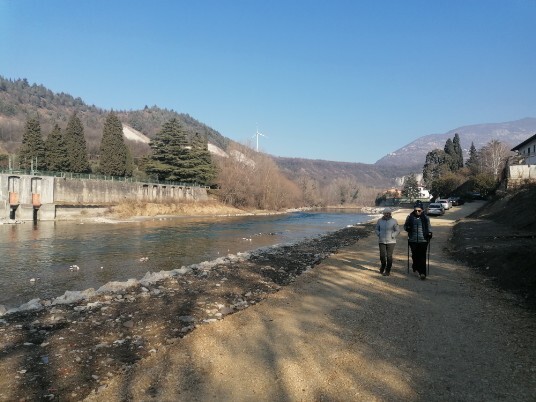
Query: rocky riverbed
point(67, 348)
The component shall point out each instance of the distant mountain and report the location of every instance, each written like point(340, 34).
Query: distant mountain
point(20, 99)
point(414, 154)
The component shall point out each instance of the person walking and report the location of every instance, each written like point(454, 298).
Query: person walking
point(419, 234)
point(387, 229)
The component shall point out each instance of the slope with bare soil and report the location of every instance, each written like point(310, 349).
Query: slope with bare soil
point(499, 239)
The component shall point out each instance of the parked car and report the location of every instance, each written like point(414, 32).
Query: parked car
point(446, 203)
point(435, 208)
point(476, 196)
point(456, 201)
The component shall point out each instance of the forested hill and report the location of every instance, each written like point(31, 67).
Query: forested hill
point(328, 171)
point(20, 100)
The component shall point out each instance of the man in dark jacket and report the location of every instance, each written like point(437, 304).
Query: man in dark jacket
point(419, 234)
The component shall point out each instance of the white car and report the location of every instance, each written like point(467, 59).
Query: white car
point(446, 203)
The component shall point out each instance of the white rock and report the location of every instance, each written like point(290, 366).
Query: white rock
point(70, 297)
point(210, 320)
point(33, 304)
point(116, 287)
point(153, 277)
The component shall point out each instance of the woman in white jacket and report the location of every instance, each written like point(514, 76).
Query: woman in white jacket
point(387, 229)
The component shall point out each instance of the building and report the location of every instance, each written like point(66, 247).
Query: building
point(527, 150)
point(424, 193)
point(522, 168)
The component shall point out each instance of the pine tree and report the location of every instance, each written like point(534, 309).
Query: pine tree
point(169, 146)
point(450, 151)
point(203, 170)
point(32, 150)
point(114, 154)
point(411, 187)
point(437, 164)
point(472, 161)
point(458, 151)
point(76, 146)
point(56, 151)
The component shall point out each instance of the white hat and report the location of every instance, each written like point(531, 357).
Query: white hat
point(387, 211)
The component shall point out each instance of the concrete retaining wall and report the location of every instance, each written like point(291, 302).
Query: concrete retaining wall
point(521, 174)
point(71, 191)
point(32, 197)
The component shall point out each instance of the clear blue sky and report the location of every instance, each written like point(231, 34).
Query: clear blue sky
point(334, 80)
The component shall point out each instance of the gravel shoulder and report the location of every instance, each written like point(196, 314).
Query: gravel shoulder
point(256, 331)
point(343, 332)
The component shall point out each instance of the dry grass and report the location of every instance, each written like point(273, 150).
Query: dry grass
point(185, 208)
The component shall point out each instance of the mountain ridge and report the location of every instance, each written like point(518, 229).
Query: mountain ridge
point(510, 133)
point(20, 99)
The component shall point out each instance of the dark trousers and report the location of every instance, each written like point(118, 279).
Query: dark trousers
point(418, 255)
point(386, 256)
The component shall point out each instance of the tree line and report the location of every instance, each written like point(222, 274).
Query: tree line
point(69, 135)
point(244, 178)
point(174, 157)
point(445, 173)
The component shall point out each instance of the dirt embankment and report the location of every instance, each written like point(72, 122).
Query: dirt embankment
point(183, 208)
point(499, 241)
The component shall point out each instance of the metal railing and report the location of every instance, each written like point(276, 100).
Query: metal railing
point(94, 176)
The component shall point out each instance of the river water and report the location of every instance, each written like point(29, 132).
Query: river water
point(40, 261)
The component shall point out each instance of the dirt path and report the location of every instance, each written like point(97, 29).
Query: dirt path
point(342, 332)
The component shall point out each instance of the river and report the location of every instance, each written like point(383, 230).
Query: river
point(44, 260)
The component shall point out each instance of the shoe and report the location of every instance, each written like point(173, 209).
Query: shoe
point(382, 270)
point(387, 273)
point(423, 277)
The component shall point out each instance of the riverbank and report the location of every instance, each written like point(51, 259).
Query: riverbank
point(142, 210)
point(255, 329)
point(344, 332)
point(74, 348)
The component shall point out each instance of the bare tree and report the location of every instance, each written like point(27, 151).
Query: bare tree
point(492, 158)
point(310, 191)
point(251, 179)
point(342, 191)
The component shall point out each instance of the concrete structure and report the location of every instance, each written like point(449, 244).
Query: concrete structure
point(424, 193)
point(522, 167)
point(33, 197)
point(527, 150)
point(519, 175)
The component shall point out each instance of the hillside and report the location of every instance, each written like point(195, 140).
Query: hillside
point(497, 239)
point(510, 133)
point(20, 99)
point(326, 171)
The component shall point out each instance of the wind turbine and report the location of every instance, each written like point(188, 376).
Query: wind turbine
point(257, 135)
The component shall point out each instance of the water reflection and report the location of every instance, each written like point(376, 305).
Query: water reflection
point(106, 252)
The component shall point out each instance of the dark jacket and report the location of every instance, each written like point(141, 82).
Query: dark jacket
point(426, 227)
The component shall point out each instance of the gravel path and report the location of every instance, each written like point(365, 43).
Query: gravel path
point(342, 332)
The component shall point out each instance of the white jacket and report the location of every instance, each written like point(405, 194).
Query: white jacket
point(387, 230)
